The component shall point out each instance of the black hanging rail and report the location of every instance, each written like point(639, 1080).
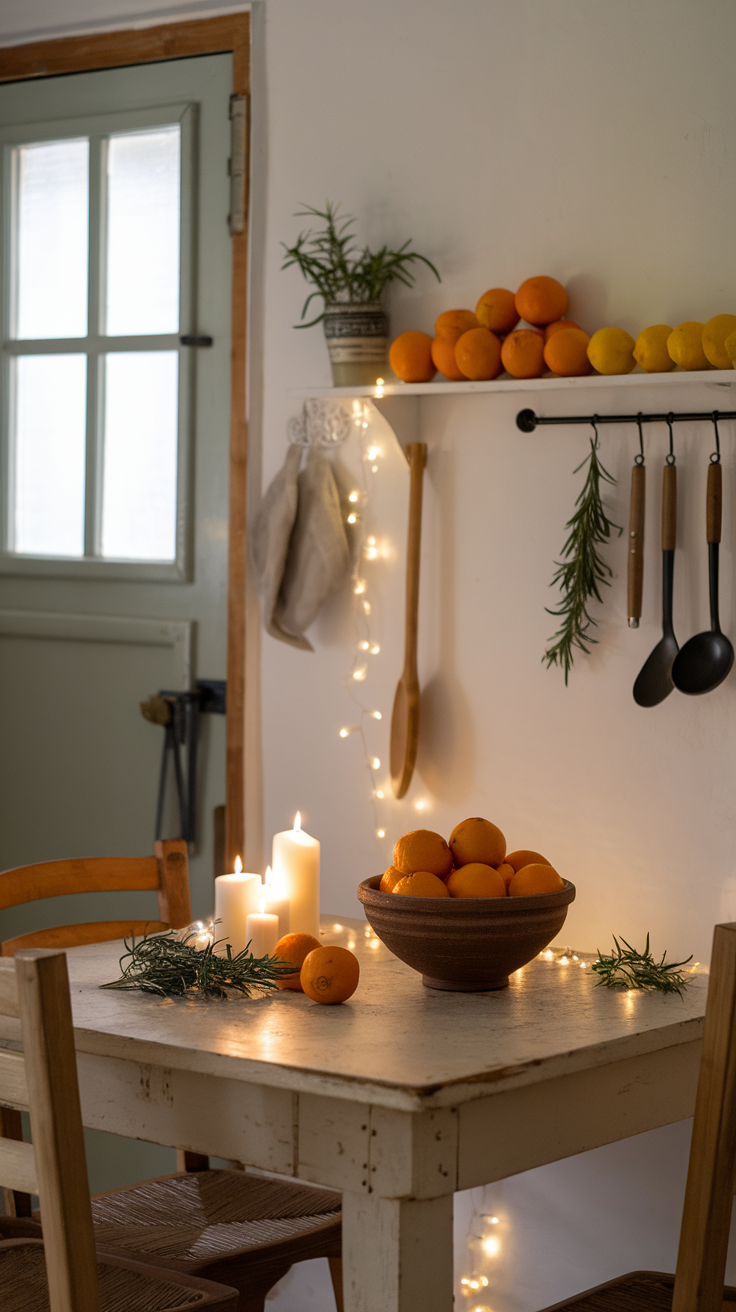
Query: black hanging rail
point(527, 420)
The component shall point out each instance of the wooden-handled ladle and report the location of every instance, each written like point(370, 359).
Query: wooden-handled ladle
point(405, 715)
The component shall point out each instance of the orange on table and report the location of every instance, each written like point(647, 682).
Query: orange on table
point(453, 323)
point(496, 310)
point(541, 300)
point(330, 974)
point(410, 357)
point(522, 354)
point(506, 872)
point(294, 948)
point(524, 857)
point(559, 323)
point(565, 353)
point(421, 884)
point(478, 354)
point(389, 879)
point(477, 840)
point(423, 849)
point(535, 878)
point(715, 333)
point(476, 880)
point(443, 358)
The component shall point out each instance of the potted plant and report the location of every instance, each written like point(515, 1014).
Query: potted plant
point(351, 283)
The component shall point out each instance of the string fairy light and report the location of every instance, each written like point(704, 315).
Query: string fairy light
point(369, 550)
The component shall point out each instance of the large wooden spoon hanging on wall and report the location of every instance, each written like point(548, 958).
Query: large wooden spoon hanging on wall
point(405, 715)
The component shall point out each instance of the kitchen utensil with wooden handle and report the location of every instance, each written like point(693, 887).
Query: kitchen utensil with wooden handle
point(636, 544)
point(706, 660)
point(405, 715)
point(654, 681)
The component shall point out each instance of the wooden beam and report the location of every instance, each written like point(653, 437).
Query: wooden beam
point(230, 32)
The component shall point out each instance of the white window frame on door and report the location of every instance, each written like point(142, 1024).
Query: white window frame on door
point(98, 128)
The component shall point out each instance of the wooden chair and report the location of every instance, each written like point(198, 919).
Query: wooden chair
point(167, 872)
point(63, 1273)
point(697, 1285)
point(251, 1228)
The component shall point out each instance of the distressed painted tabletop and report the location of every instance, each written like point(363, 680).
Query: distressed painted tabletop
point(395, 1043)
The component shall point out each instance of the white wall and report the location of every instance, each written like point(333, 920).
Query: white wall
point(595, 142)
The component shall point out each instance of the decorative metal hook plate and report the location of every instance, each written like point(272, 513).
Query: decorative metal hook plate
point(324, 423)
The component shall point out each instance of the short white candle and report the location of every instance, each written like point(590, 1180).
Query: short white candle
point(276, 900)
point(262, 931)
point(296, 861)
point(236, 896)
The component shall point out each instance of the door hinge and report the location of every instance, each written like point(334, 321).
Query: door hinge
point(238, 164)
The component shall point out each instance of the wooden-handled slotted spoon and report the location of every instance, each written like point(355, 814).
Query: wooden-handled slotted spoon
point(405, 715)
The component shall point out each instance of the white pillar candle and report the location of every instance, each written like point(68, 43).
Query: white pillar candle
point(296, 861)
point(236, 896)
point(276, 900)
point(262, 931)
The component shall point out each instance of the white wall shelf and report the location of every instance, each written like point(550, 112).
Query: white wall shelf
point(723, 379)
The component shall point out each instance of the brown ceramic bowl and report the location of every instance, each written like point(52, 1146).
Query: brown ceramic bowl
point(465, 944)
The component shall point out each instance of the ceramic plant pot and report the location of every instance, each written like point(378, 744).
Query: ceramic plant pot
point(357, 340)
point(465, 944)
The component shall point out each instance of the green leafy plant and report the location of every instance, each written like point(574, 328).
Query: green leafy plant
point(626, 968)
point(174, 968)
point(341, 272)
point(582, 569)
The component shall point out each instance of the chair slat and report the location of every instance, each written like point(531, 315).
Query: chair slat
point(72, 936)
point(17, 1166)
point(13, 1084)
point(77, 875)
point(8, 990)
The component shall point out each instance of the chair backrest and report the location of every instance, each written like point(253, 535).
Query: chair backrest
point(706, 1216)
point(35, 987)
point(167, 872)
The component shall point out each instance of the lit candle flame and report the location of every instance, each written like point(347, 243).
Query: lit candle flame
point(269, 876)
point(298, 820)
point(262, 905)
point(238, 866)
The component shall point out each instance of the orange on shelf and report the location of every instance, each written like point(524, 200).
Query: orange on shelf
point(565, 353)
point(443, 357)
point(476, 880)
point(496, 310)
point(453, 323)
point(559, 323)
point(421, 884)
point(478, 355)
point(535, 878)
point(541, 300)
point(410, 357)
point(522, 354)
point(478, 841)
point(330, 974)
point(293, 949)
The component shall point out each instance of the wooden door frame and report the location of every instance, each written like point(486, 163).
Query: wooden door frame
point(205, 36)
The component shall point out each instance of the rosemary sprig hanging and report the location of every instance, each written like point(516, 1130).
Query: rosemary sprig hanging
point(163, 964)
point(582, 569)
point(626, 968)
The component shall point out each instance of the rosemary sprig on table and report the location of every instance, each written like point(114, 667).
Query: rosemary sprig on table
point(163, 964)
point(626, 968)
point(582, 569)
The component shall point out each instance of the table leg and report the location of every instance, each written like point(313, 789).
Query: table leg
point(397, 1255)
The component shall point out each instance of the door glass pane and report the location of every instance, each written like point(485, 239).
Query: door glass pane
point(51, 225)
point(143, 201)
point(49, 447)
point(139, 482)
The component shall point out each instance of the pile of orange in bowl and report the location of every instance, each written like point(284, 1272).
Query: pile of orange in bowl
point(474, 864)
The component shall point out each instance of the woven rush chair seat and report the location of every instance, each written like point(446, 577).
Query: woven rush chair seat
point(639, 1291)
point(225, 1225)
point(124, 1286)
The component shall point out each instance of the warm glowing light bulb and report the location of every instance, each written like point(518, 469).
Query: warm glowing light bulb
point(298, 820)
point(494, 1220)
point(367, 607)
point(360, 587)
point(372, 542)
point(364, 646)
point(379, 382)
point(344, 733)
point(360, 673)
point(375, 763)
point(376, 715)
point(352, 519)
point(421, 804)
point(374, 469)
point(238, 866)
point(374, 943)
point(491, 1246)
point(381, 833)
point(353, 496)
point(374, 652)
point(337, 928)
point(351, 943)
point(380, 794)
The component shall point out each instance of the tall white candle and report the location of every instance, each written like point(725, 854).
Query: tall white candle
point(296, 861)
point(262, 931)
point(236, 896)
point(277, 902)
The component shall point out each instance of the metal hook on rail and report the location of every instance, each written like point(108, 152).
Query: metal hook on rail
point(715, 458)
point(639, 460)
point(670, 458)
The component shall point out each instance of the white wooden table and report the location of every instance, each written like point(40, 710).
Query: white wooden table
point(397, 1098)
